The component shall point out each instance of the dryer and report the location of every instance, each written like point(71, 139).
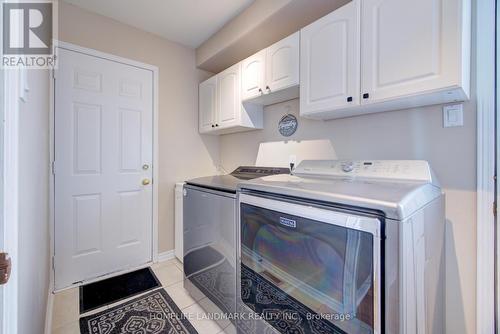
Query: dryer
point(209, 229)
point(342, 247)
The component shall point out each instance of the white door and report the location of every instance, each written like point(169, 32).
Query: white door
point(207, 104)
point(409, 47)
point(329, 63)
point(253, 72)
point(103, 154)
point(228, 97)
point(282, 64)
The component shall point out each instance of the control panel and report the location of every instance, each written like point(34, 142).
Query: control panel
point(404, 170)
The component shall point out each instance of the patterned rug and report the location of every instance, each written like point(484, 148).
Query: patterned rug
point(153, 313)
point(218, 284)
point(281, 311)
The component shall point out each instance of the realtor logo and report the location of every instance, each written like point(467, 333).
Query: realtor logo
point(28, 32)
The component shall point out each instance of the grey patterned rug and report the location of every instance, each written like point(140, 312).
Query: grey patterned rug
point(153, 313)
point(218, 283)
point(283, 312)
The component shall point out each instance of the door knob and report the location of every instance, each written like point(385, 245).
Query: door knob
point(145, 166)
point(5, 268)
point(145, 182)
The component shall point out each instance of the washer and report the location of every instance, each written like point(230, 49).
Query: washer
point(342, 247)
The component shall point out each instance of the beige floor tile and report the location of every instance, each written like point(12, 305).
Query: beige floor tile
point(163, 264)
point(66, 307)
point(180, 295)
point(230, 329)
point(71, 328)
point(212, 309)
point(198, 318)
point(179, 264)
point(169, 274)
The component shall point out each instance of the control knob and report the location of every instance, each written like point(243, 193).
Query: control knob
point(348, 167)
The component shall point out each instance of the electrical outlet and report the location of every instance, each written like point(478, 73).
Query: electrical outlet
point(453, 115)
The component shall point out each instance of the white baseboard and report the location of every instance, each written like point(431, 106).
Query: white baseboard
point(165, 256)
point(49, 310)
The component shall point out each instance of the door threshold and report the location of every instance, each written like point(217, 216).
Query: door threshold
point(103, 277)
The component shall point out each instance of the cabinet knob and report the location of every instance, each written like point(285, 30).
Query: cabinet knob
point(349, 99)
point(366, 95)
point(260, 90)
point(268, 89)
point(213, 126)
point(216, 125)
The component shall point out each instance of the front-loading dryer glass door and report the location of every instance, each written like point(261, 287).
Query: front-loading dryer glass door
point(303, 267)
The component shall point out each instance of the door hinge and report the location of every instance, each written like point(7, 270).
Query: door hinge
point(53, 263)
point(5, 268)
point(53, 168)
point(494, 209)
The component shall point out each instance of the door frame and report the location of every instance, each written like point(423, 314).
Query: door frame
point(486, 166)
point(11, 105)
point(155, 181)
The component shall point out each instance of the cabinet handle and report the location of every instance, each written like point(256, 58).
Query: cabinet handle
point(260, 91)
point(349, 99)
point(268, 89)
point(366, 95)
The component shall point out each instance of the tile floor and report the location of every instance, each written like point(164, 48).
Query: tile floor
point(66, 306)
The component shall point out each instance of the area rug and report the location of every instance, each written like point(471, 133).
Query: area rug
point(218, 283)
point(284, 313)
point(111, 290)
point(153, 313)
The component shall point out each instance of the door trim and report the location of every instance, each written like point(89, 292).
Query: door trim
point(155, 183)
point(12, 99)
point(485, 62)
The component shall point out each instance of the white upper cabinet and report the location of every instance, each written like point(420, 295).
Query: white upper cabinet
point(272, 75)
point(220, 108)
point(253, 75)
point(379, 55)
point(207, 104)
point(410, 47)
point(228, 97)
point(329, 61)
point(282, 64)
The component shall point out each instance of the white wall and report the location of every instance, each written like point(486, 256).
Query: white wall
point(405, 134)
point(183, 153)
point(34, 264)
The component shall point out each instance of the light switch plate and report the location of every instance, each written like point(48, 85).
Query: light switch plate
point(453, 115)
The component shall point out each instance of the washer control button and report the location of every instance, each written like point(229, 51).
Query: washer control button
point(347, 167)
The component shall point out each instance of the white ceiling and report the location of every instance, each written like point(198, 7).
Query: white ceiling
point(189, 22)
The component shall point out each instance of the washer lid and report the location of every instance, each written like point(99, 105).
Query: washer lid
point(230, 182)
point(398, 192)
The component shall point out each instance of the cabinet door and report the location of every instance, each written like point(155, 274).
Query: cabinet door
point(207, 104)
point(228, 97)
point(282, 64)
point(329, 63)
point(409, 47)
point(253, 75)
